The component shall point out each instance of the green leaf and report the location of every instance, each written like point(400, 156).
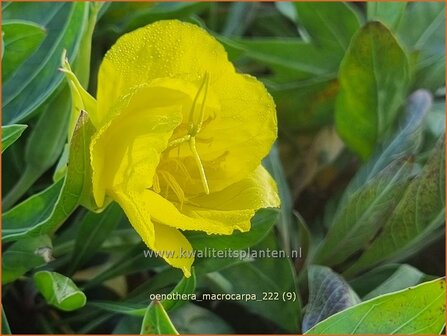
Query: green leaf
point(422, 31)
point(288, 58)
point(387, 279)
point(31, 85)
point(389, 13)
point(266, 275)
point(131, 309)
point(321, 20)
point(59, 291)
point(415, 310)
point(21, 39)
point(285, 223)
point(305, 243)
point(46, 211)
point(261, 225)
point(93, 230)
point(10, 134)
point(46, 142)
point(156, 321)
point(363, 214)
point(374, 77)
point(305, 105)
point(404, 143)
point(417, 219)
point(6, 330)
point(239, 17)
point(25, 255)
point(185, 286)
point(329, 294)
point(43, 146)
point(27, 217)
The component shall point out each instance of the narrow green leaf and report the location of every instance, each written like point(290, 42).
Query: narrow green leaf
point(28, 216)
point(48, 137)
point(81, 68)
point(304, 243)
point(10, 134)
point(128, 308)
point(21, 39)
point(415, 310)
point(59, 291)
point(156, 321)
point(417, 218)
point(285, 223)
point(6, 330)
point(52, 207)
point(44, 145)
point(31, 85)
point(363, 214)
point(130, 262)
point(329, 294)
point(93, 230)
point(288, 58)
point(389, 13)
point(25, 255)
point(135, 305)
point(374, 77)
point(321, 21)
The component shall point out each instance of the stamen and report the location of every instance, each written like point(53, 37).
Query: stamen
point(180, 165)
point(156, 184)
point(202, 108)
point(192, 145)
point(173, 184)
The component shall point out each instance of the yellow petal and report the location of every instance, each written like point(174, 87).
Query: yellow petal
point(133, 204)
point(163, 49)
point(220, 212)
point(172, 240)
point(233, 144)
point(237, 203)
point(238, 131)
point(167, 241)
point(125, 152)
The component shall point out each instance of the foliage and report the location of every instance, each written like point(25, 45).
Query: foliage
point(359, 164)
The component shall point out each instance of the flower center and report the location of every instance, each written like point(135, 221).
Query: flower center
point(195, 123)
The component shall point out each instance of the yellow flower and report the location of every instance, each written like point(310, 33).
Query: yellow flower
point(180, 137)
